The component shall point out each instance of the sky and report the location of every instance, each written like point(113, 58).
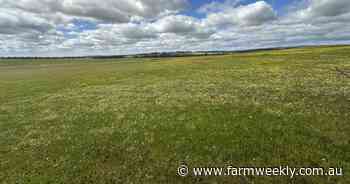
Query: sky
point(116, 27)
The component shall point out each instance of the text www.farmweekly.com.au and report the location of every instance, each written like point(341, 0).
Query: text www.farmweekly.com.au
point(184, 170)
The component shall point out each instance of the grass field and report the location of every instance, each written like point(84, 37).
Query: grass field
point(137, 120)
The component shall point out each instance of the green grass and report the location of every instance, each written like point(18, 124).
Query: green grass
point(137, 120)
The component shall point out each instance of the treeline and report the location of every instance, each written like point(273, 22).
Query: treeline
point(168, 54)
point(145, 55)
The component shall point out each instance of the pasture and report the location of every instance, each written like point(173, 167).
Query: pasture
point(137, 120)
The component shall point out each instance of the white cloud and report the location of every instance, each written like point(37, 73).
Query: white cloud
point(248, 15)
point(327, 8)
point(182, 25)
point(106, 10)
point(54, 28)
point(12, 22)
point(216, 6)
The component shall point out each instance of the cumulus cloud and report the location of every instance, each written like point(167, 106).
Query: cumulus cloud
point(216, 6)
point(130, 31)
point(327, 8)
point(17, 22)
point(182, 25)
point(252, 14)
point(84, 27)
point(107, 10)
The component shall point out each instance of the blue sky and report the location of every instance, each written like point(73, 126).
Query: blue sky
point(278, 5)
point(91, 27)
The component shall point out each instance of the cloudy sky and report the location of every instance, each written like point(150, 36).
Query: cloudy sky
point(102, 27)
